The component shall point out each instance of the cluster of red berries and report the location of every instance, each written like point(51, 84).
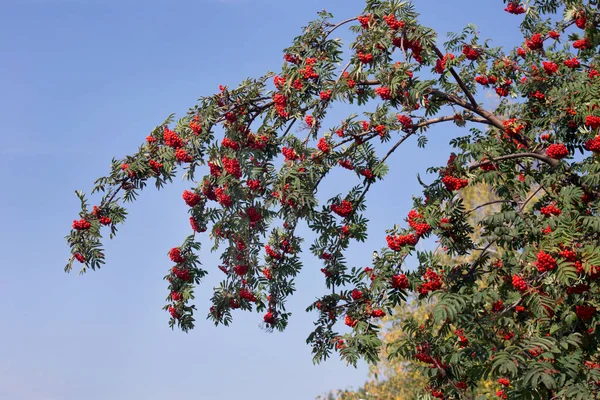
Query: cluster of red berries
point(365, 20)
point(514, 7)
point(471, 52)
point(593, 121)
point(365, 58)
point(269, 318)
point(125, 168)
point(292, 58)
point(486, 80)
point(585, 313)
point(384, 92)
point(289, 154)
point(346, 164)
point(222, 197)
point(79, 257)
point(174, 313)
point(377, 313)
point(176, 296)
point(308, 72)
point(175, 255)
point(440, 64)
point(392, 22)
point(247, 295)
point(240, 270)
point(325, 95)
point(267, 273)
point(208, 190)
point(536, 42)
point(172, 139)
point(578, 289)
point(155, 165)
point(519, 283)
point(229, 143)
point(349, 81)
point(215, 169)
point(181, 273)
point(432, 282)
point(253, 214)
point(568, 254)
point(422, 354)
point(279, 82)
point(498, 306)
point(400, 282)
point(345, 230)
point(502, 91)
point(405, 121)
point(397, 242)
point(487, 165)
point(323, 145)
point(191, 199)
point(463, 341)
point(557, 151)
point(453, 183)
point(549, 67)
point(232, 166)
point(280, 102)
point(356, 295)
point(82, 224)
point(553, 35)
point(545, 262)
point(537, 95)
point(367, 173)
point(272, 253)
point(580, 20)
point(195, 225)
point(253, 184)
point(415, 221)
point(195, 125)
point(593, 144)
point(549, 210)
point(182, 156)
point(349, 321)
point(572, 63)
point(582, 44)
point(343, 209)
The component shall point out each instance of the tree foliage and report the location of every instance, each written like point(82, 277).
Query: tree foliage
point(522, 312)
point(403, 378)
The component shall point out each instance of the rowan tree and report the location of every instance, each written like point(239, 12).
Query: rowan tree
point(523, 313)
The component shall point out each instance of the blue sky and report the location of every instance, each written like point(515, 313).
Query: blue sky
point(84, 81)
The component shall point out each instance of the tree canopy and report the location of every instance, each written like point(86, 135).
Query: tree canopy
point(522, 311)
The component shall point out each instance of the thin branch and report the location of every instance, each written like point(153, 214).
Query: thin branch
point(538, 156)
point(338, 25)
point(489, 203)
point(531, 197)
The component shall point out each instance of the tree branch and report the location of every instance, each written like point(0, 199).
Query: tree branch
point(460, 82)
point(538, 156)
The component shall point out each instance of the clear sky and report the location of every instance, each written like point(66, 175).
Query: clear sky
point(85, 80)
